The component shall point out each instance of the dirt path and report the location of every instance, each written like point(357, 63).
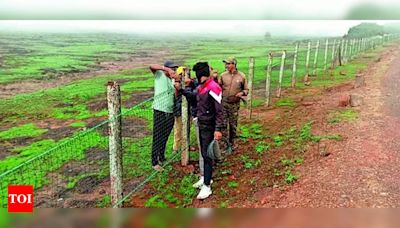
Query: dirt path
point(28, 86)
point(363, 169)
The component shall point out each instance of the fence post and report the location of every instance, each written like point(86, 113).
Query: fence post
point(345, 51)
point(340, 49)
point(268, 80)
point(307, 61)
point(294, 66)
point(350, 51)
point(357, 46)
point(333, 55)
point(314, 73)
point(279, 91)
point(185, 127)
point(250, 84)
point(326, 53)
point(115, 140)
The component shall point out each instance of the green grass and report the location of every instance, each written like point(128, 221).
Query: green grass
point(35, 173)
point(285, 102)
point(78, 124)
point(290, 177)
point(233, 184)
point(347, 115)
point(261, 147)
point(253, 131)
point(104, 202)
point(28, 56)
point(27, 130)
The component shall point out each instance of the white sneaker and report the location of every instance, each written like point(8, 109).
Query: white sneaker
point(205, 192)
point(200, 183)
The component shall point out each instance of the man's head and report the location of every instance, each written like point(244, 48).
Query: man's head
point(202, 70)
point(170, 64)
point(230, 64)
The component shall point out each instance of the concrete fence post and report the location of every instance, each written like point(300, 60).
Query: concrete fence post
point(294, 66)
point(314, 72)
point(281, 71)
point(250, 85)
point(268, 80)
point(185, 126)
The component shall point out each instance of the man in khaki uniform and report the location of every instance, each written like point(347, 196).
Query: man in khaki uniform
point(234, 87)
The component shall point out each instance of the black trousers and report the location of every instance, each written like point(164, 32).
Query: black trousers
point(162, 126)
point(206, 137)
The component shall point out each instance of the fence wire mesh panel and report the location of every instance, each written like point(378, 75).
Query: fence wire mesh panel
point(79, 163)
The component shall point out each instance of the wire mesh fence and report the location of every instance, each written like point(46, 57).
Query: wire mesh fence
point(76, 172)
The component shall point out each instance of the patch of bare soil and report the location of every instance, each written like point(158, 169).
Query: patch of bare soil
point(86, 191)
point(134, 99)
point(144, 58)
point(137, 98)
point(56, 131)
point(132, 127)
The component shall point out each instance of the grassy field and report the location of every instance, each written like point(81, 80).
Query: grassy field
point(31, 123)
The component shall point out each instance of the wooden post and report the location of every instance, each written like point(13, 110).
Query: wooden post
point(307, 62)
point(115, 140)
point(250, 84)
point(268, 80)
point(326, 54)
point(294, 66)
point(279, 91)
point(185, 126)
point(314, 73)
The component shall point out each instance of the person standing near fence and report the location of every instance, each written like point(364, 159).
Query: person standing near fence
point(210, 119)
point(163, 104)
point(234, 87)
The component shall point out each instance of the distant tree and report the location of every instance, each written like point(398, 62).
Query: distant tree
point(267, 35)
point(365, 30)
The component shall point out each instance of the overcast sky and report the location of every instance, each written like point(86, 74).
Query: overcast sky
point(182, 9)
point(228, 27)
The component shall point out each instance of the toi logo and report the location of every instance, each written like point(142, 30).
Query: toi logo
point(20, 198)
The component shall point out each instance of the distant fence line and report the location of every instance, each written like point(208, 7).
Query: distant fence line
point(89, 156)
